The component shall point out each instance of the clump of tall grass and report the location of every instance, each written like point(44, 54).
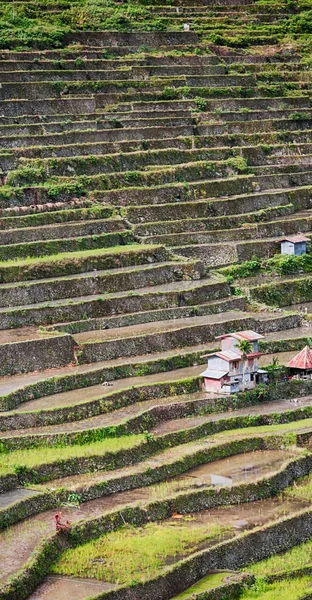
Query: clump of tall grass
point(137, 553)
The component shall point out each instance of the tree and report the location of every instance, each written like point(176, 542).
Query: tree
point(245, 348)
point(275, 368)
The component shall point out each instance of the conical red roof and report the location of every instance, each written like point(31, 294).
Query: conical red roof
point(303, 360)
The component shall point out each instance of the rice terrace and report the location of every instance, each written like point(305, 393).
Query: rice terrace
point(156, 299)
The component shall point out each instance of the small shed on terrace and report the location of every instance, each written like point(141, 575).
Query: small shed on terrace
point(294, 244)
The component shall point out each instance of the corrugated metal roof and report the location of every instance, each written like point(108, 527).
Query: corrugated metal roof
point(228, 355)
point(303, 360)
point(249, 335)
point(295, 239)
point(210, 374)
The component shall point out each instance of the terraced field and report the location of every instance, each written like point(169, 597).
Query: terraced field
point(147, 176)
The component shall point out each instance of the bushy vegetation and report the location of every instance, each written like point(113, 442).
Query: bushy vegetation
point(29, 25)
point(280, 264)
point(288, 589)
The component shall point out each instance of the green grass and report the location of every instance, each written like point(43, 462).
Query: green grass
point(75, 255)
point(293, 426)
point(287, 589)
point(208, 583)
point(33, 458)
point(135, 554)
point(296, 558)
point(301, 491)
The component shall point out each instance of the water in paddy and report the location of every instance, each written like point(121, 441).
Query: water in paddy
point(14, 496)
point(228, 471)
point(232, 520)
point(61, 588)
point(20, 540)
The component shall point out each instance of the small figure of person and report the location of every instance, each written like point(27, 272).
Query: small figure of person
point(63, 527)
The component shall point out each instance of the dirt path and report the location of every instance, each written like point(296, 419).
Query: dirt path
point(12, 383)
point(132, 411)
point(266, 408)
point(105, 420)
point(81, 395)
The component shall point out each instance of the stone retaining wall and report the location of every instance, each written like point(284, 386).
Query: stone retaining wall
point(33, 355)
point(232, 554)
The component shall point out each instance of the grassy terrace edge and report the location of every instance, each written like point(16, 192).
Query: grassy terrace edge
point(138, 448)
point(37, 567)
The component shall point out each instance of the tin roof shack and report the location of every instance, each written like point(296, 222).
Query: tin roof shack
point(294, 244)
point(300, 366)
point(228, 371)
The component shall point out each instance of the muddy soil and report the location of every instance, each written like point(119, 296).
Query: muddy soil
point(238, 518)
point(264, 408)
point(18, 541)
point(98, 391)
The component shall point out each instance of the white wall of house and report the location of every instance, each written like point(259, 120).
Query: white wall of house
point(230, 343)
point(218, 364)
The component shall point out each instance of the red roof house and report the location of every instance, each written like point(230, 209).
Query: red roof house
point(227, 368)
point(303, 360)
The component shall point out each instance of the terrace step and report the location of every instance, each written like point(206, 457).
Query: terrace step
point(73, 263)
point(99, 72)
point(17, 389)
point(282, 226)
point(93, 239)
point(162, 158)
point(27, 351)
point(105, 345)
point(221, 254)
point(108, 135)
point(46, 222)
point(287, 290)
point(97, 282)
point(36, 351)
point(160, 228)
point(159, 335)
point(116, 417)
point(266, 195)
point(220, 141)
point(86, 312)
point(39, 90)
point(267, 408)
point(161, 409)
point(225, 104)
point(89, 104)
point(135, 40)
point(47, 60)
point(81, 395)
point(29, 123)
point(36, 59)
point(107, 140)
point(124, 189)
